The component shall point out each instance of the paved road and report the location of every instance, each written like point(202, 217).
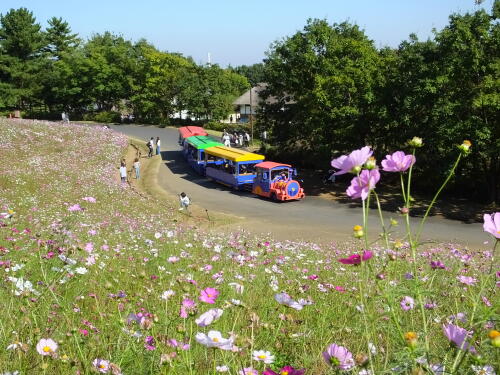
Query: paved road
point(311, 218)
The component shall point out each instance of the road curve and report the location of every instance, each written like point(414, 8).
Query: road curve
point(311, 218)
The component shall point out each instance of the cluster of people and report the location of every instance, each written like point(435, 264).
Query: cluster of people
point(152, 145)
point(238, 139)
point(136, 167)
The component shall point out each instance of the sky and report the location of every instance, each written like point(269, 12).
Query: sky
point(240, 32)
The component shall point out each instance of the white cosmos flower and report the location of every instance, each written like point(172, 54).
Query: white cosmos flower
point(81, 270)
point(237, 287)
point(167, 294)
point(263, 356)
point(286, 300)
point(209, 317)
point(214, 339)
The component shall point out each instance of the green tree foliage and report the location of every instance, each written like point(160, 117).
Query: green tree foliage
point(59, 38)
point(21, 62)
point(254, 73)
point(321, 88)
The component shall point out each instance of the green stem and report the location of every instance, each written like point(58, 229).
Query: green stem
point(493, 255)
point(452, 172)
point(386, 238)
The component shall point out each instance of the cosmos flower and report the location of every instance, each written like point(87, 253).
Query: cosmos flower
point(353, 162)
point(356, 258)
point(285, 299)
point(492, 224)
point(263, 356)
point(397, 162)
point(101, 365)
point(214, 339)
point(46, 347)
point(338, 357)
point(248, 371)
point(467, 280)
point(209, 295)
point(209, 317)
point(437, 265)
point(457, 336)
point(407, 303)
point(362, 184)
point(75, 207)
point(287, 370)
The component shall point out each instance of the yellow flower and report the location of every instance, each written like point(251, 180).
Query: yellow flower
point(358, 231)
point(465, 147)
point(493, 334)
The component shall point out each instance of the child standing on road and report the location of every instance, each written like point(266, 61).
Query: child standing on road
point(137, 168)
point(184, 201)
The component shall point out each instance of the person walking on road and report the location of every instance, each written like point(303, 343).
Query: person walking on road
point(158, 146)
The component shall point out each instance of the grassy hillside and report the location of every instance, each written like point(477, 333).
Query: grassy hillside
point(116, 282)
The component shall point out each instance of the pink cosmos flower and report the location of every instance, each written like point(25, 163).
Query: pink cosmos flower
point(75, 207)
point(467, 280)
point(352, 163)
point(437, 265)
point(338, 357)
point(362, 184)
point(209, 295)
point(186, 306)
point(407, 303)
point(89, 199)
point(209, 317)
point(149, 343)
point(492, 224)
point(288, 370)
point(457, 336)
point(101, 365)
point(248, 371)
point(397, 162)
point(46, 347)
point(356, 258)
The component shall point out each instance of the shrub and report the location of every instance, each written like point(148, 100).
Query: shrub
point(105, 116)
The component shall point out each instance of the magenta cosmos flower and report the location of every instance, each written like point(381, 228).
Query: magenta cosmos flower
point(457, 335)
point(356, 258)
point(338, 356)
point(398, 162)
point(492, 224)
point(287, 370)
point(362, 184)
point(209, 295)
point(352, 163)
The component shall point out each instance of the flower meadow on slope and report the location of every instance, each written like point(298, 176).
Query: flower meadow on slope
point(123, 285)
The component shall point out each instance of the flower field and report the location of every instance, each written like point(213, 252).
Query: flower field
point(98, 279)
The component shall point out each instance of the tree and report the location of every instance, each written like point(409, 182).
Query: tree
point(254, 73)
point(59, 38)
point(321, 88)
point(21, 62)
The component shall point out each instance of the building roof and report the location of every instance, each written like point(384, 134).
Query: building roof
point(271, 165)
point(190, 131)
point(257, 98)
point(202, 142)
point(233, 154)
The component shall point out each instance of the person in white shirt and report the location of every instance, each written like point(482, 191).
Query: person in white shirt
point(184, 201)
point(158, 146)
point(123, 172)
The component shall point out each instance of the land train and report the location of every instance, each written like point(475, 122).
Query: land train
point(238, 169)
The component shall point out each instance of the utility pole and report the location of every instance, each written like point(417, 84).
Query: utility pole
point(251, 116)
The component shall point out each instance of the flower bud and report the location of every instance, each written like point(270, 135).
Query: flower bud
point(415, 142)
point(465, 147)
point(361, 359)
point(411, 339)
point(404, 210)
point(380, 276)
point(358, 231)
point(496, 342)
point(356, 169)
point(394, 222)
point(371, 163)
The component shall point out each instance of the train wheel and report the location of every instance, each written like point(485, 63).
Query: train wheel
point(274, 197)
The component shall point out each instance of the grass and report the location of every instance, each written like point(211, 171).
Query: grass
point(91, 277)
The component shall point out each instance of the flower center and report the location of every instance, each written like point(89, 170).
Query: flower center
point(46, 349)
point(262, 356)
point(284, 373)
point(215, 339)
point(102, 366)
